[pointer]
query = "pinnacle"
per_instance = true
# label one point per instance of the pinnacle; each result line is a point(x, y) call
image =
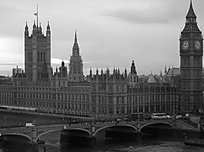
point(191, 13)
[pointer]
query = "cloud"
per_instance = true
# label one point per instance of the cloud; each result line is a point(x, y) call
point(111, 33)
point(138, 17)
point(148, 13)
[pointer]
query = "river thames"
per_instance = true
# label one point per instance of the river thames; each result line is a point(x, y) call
point(146, 145)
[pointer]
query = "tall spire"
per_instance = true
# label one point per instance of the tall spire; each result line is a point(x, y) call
point(191, 13)
point(133, 69)
point(191, 17)
point(40, 28)
point(165, 70)
point(75, 37)
point(26, 31)
point(48, 25)
point(26, 27)
point(191, 23)
point(75, 49)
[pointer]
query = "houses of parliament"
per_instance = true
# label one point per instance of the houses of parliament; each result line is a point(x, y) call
point(105, 93)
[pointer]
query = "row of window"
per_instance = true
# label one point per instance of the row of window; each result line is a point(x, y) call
point(146, 89)
point(61, 96)
point(150, 109)
point(133, 109)
point(5, 94)
point(151, 98)
point(105, 87)
point(52, 106)
point(33, 89)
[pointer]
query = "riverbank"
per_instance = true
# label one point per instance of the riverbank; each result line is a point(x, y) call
point(164, 141)
point(162, 147)
point(46, 114)
point(14, 118)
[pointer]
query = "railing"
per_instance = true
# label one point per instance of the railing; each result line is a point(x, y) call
point(88, 126)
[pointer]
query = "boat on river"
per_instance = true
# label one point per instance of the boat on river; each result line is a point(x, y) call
point(194, 142)
point(197, 140)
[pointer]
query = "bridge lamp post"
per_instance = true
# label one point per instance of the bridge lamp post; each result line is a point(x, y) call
point(33, 134)
point(138, 121)
point(174, 105)
point(93, 120)
point(93, 126)
point(63, 120)
point(34, 122)
point(200, 123)
point(4, 122)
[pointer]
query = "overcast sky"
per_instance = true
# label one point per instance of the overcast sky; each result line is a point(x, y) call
point(111, 33)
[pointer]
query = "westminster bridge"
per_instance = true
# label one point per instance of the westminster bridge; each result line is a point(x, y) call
point(33, 133)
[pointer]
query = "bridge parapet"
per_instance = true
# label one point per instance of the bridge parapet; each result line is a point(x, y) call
point(182, 125)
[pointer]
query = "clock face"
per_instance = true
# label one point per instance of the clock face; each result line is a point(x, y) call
point(185, 45)
point(197, 45)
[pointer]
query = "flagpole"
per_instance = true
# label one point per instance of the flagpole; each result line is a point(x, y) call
point(37, 15)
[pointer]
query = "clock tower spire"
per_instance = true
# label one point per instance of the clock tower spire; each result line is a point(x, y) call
point(191, 54)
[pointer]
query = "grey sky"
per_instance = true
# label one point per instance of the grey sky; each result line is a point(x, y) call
point(111, 33)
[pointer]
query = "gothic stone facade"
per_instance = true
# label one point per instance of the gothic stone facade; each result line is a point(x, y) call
point(105, 93)
point(191, 56)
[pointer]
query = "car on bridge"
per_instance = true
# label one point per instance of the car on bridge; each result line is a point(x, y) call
point(160, 116)
point(178, 116)
point(29, 124)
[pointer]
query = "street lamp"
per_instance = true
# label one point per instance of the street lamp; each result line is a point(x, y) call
point(174, 106)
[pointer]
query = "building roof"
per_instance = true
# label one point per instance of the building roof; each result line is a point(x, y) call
point(191, 13)
point(173, 72)
point(151, 79)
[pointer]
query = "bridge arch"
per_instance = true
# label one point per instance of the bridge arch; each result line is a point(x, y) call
point(79, 129)
point(155, 123)
point(24, 137)
point(47, 132)
point(68, 129)
point(109, 126)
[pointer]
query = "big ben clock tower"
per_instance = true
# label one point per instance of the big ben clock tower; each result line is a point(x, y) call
point(191, 54)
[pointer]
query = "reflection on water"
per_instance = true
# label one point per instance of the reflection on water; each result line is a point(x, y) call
point(142, 144)
point(162, 147)
point(7, 147)
point(136, 146)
